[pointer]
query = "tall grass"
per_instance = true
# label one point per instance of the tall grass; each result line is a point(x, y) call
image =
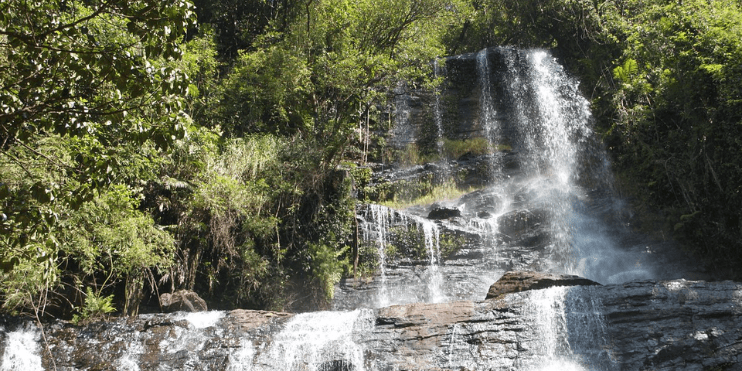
point(444, 192)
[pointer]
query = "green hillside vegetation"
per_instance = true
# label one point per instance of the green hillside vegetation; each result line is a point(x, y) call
point(153, 146)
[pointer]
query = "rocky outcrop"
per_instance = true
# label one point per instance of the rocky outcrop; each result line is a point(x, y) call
point(526, 280)
point(444, 213)
point(182, 300)
point(670, 325)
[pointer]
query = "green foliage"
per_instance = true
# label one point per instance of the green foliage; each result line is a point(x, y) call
point(626, 71)
point(199, 62)
point(89, 69)
point(95, 306)
point(323, 74)
point(231, 224)
point(453, 148)
point(676, 114)
point(267, 92)
point(108, 234)
point(327, 265)
point(566, 24)
point(408, 194)
point(88, 98)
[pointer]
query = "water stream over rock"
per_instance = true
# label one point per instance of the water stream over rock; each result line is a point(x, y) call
point(540, 199)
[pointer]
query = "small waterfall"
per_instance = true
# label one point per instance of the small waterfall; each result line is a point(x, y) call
point(487, 112)
point(437, 115)
point(316, 341)
point(570, 328)
point(381, 219)
point(22, 349)
point(377, 227)
point(432, 244)
point(451, 343)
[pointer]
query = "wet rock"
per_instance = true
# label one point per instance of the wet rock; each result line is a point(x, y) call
point(466, 157)
point(524, 280)
point(182, 300)
point(667, 325)
point(336, 365)
point(521, 221)
point(484, 215)
point(444, 213)
point(480, 202)
point(252, 319)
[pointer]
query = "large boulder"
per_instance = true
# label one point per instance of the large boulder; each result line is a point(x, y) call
point(182, 300)
point(526, 280)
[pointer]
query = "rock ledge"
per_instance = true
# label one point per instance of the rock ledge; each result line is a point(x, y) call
point(525, 280)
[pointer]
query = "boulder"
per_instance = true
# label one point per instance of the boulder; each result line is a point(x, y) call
point(526, 280)
point(444, 213)
point(522, 221)
point(182, 300)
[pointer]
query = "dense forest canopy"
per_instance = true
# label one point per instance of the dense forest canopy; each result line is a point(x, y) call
point(154, 146)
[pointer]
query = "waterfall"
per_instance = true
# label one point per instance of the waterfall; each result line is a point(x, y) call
point(22, 349)
point(570, 328)
point(316, 341)
point(432, 244)
point(538, 198)
point(487, 110)
point(535, 210)
point(544, 205)
point(381, 219)
point(380, 225)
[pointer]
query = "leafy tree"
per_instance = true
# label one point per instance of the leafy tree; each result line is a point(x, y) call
point(331, 65)
point(678, 114)
point(238, 23)
point(88, 95)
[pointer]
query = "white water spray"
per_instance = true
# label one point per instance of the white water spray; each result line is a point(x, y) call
point(381, 220)
point(22, 350)
point(310, 341)
point(432, 235)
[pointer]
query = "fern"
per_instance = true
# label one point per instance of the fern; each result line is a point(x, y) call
point(95, 306)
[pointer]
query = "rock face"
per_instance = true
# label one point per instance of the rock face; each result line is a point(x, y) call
point(668, 325)
point(525, 280)
point(182, 300)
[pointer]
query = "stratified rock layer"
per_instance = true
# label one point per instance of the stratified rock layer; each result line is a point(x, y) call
point(670, 325)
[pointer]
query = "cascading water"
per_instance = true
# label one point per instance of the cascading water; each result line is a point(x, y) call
point(319, 341)
point(381, 218)
point(398, 282)
point(571, 331)
point(547, 123)
point(21, 350)
point(488, 115)
point(543, 208)
point(432, 244)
